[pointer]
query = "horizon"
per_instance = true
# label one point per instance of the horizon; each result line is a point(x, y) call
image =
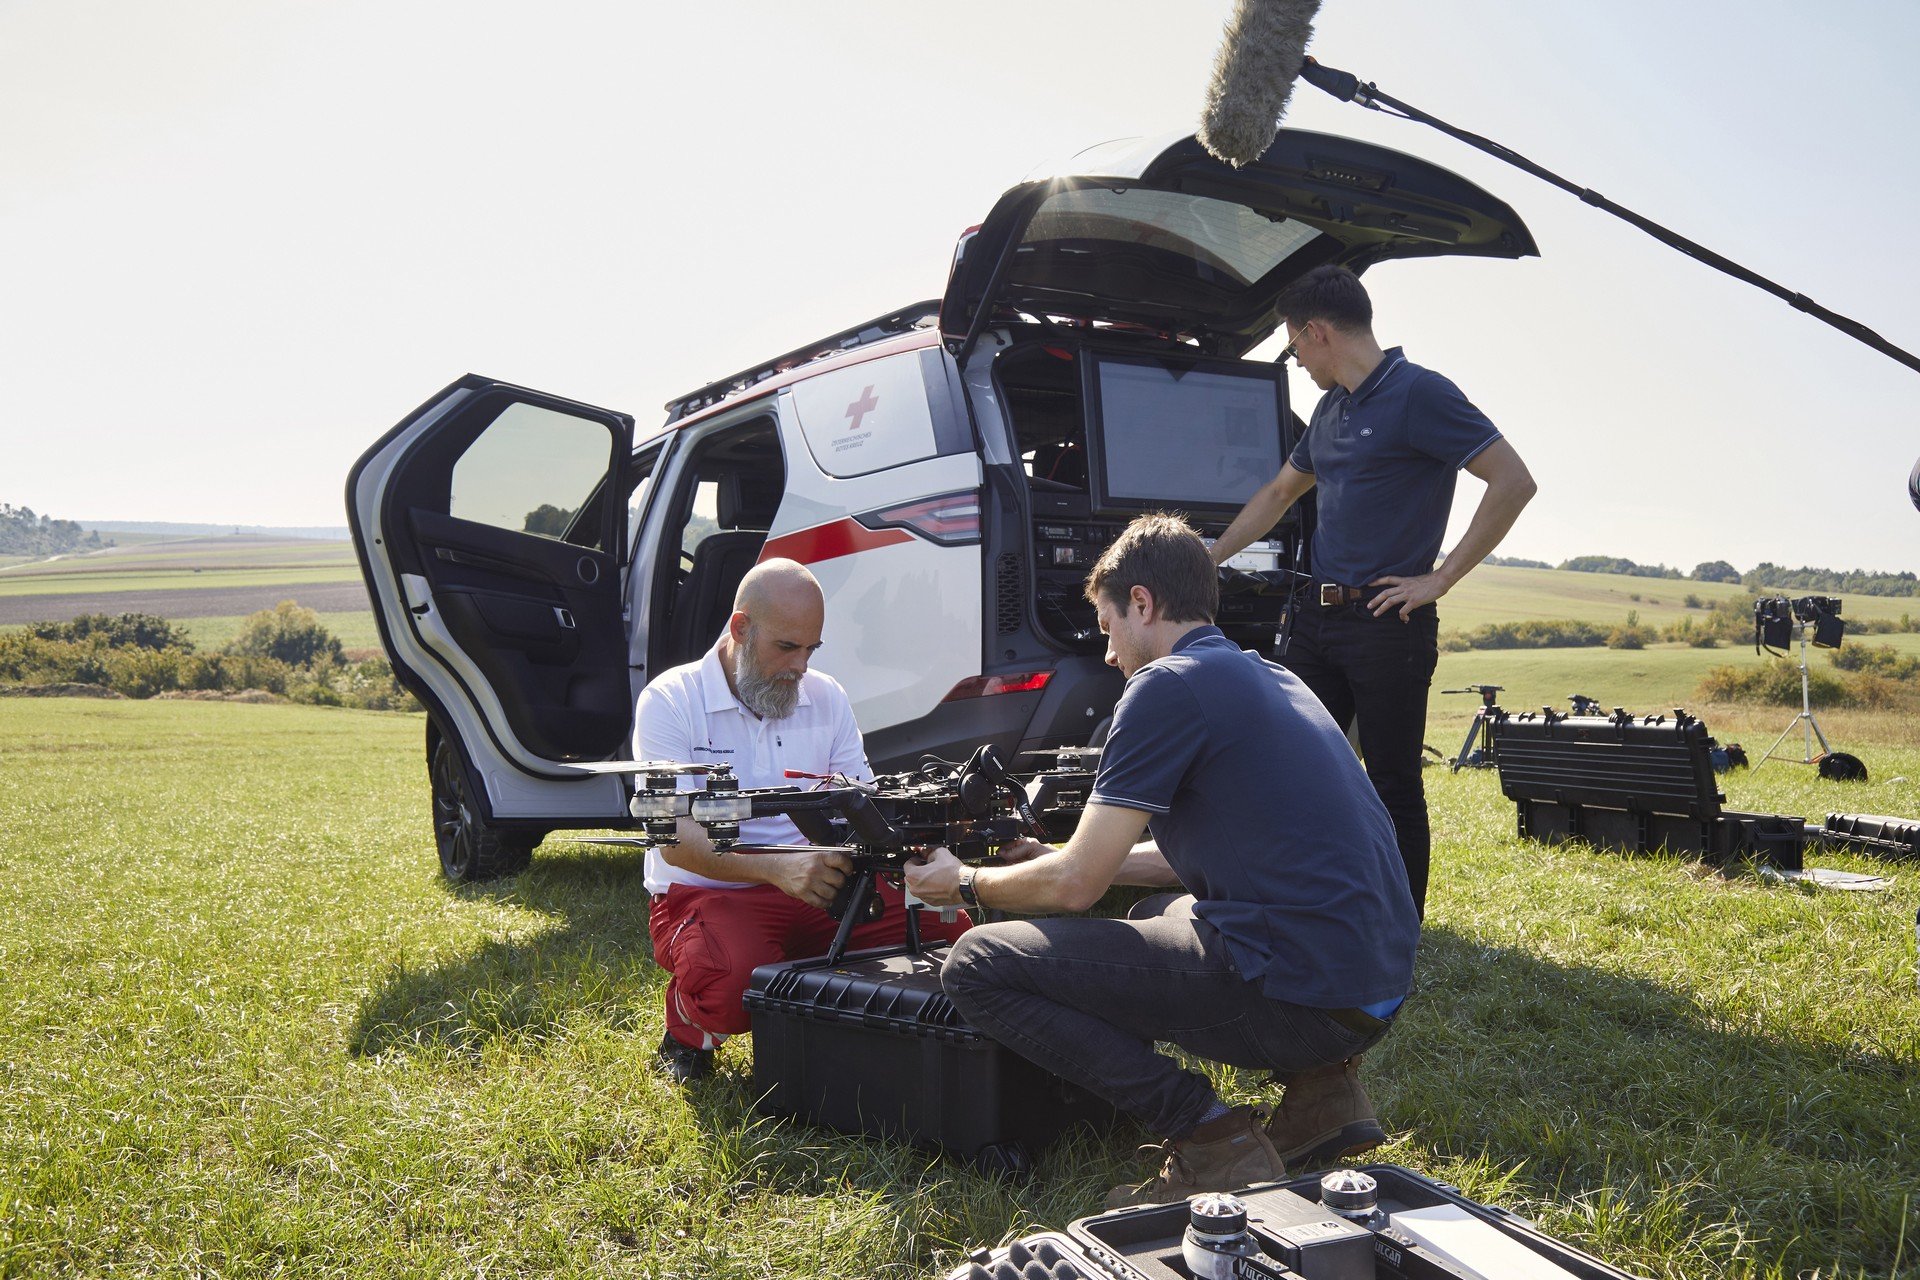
point(214, 528)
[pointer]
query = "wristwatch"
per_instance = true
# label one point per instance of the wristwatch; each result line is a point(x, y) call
point(965, 887)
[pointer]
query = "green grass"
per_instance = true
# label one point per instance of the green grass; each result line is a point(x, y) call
point(247, 1030)
point(353, 629)
point(107, 584)
point(204, 553)
point(1497, 593)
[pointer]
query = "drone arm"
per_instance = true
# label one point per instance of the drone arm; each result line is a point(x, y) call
point(813, 876)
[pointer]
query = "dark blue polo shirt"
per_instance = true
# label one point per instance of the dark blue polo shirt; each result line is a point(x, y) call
point(1383, 459)
point(1266, 816)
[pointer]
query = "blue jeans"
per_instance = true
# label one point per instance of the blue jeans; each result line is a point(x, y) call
point(1087, 998)
point(1379, 669)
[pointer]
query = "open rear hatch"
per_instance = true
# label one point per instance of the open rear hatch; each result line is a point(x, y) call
point(1160, 234)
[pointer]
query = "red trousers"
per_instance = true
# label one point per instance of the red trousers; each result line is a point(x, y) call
point(711, 941)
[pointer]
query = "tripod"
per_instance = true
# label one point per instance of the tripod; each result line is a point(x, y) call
point(1812, 725)
point(1469, 757)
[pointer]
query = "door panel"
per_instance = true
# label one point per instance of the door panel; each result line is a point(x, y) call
point(540, 620)
point(490, 526)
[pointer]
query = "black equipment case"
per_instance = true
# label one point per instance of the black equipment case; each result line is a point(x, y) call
point(871, 1044)
point(1876, 835)
point(1297, 1237)
point(1623, 783)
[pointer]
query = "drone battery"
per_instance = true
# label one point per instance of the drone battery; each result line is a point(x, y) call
point(872, 1045)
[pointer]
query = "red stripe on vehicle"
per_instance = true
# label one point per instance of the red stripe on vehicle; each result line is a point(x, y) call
point(844, 537)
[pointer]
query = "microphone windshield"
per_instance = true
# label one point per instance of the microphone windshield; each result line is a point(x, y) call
point(1259, 59)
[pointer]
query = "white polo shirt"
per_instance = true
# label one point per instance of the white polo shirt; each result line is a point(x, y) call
point(689, 713)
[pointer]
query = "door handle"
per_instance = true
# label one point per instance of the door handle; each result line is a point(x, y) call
point(564, 617)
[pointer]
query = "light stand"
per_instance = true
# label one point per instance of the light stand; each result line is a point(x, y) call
point(1468, 757)
point(1806, 716)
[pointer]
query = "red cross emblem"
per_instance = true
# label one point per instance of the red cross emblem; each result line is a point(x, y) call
point(860, 408)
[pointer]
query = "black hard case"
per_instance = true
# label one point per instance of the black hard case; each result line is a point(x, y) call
point(1623, 783)
point(1144, 1243)
point(872, 1045)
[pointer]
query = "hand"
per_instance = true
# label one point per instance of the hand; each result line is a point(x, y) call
point(1025, 849)
point(935, 878)
point(813, 876)
point(1407, 594)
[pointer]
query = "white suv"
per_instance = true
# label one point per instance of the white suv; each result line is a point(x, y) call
point(948, 472)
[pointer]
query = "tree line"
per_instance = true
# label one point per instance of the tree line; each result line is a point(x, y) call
point(1765, 575)
point(23, 532)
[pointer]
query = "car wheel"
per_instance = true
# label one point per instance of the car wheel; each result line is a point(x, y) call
point(469, 848)
point(1003, 1160)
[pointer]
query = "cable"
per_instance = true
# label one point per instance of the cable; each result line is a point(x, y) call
point(1347, 87)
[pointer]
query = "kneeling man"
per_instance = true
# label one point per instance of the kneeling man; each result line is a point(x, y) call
point(717, 914)
point(1291, 944)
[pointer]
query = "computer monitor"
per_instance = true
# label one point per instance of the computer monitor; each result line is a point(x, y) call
point(1169, 432)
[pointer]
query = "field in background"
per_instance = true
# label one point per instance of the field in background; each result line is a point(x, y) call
point(354, 629)
point(1496, 593)
point(247, 1029)
point(189, 578)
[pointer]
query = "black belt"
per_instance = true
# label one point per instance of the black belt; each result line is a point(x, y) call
point(1357, 1020)
point(1332, 594)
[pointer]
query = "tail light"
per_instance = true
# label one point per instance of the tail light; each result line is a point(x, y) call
point(950, 519)
point(987, 686)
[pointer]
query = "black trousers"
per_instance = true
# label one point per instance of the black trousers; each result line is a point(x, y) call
point(1380, 670)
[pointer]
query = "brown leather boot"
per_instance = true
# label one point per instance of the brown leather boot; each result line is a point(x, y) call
point(1324, 1116)
point(1221, 1155)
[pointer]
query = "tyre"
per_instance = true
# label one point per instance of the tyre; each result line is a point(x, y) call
point(1003, 1160)
point(469, 848)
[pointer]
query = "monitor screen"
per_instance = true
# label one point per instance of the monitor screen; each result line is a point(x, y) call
point(1185, 435)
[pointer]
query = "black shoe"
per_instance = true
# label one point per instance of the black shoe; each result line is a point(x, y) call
point(682, 1062)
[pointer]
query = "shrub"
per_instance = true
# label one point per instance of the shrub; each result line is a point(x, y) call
point(1685, 632)
point(1631, 634)
point(115, 631)
point(288, 633)
point(1536, 633)
point(1882, 660)
point(1776, 683)
point(232, 672)
point(1693, 601)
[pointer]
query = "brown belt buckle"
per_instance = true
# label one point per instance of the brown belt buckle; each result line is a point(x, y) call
point(1331, 594)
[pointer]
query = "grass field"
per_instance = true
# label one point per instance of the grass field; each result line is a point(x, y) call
point(354, 630)
point(247, 1030)
point(1497, 593)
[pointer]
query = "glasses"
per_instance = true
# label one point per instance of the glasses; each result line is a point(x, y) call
point(1292, 349)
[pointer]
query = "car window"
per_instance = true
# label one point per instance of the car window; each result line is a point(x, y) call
point(531, 471)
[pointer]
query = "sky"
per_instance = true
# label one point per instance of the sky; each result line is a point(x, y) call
point(240, 240)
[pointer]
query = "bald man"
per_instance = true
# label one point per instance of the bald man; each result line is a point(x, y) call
point(718, 914)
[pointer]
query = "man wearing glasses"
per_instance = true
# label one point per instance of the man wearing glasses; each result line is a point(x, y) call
point(1381, 452)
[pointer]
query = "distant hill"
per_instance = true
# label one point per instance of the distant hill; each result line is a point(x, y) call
point(171, 529)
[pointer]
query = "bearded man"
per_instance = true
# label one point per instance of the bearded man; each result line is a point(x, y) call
point(717, 914)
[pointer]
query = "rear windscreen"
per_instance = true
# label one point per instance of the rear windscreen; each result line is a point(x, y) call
point(1185, 437)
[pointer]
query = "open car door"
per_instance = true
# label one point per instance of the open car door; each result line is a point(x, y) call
point(490, 527)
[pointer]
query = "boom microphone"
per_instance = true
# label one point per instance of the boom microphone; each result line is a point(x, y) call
point(1253, 74)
